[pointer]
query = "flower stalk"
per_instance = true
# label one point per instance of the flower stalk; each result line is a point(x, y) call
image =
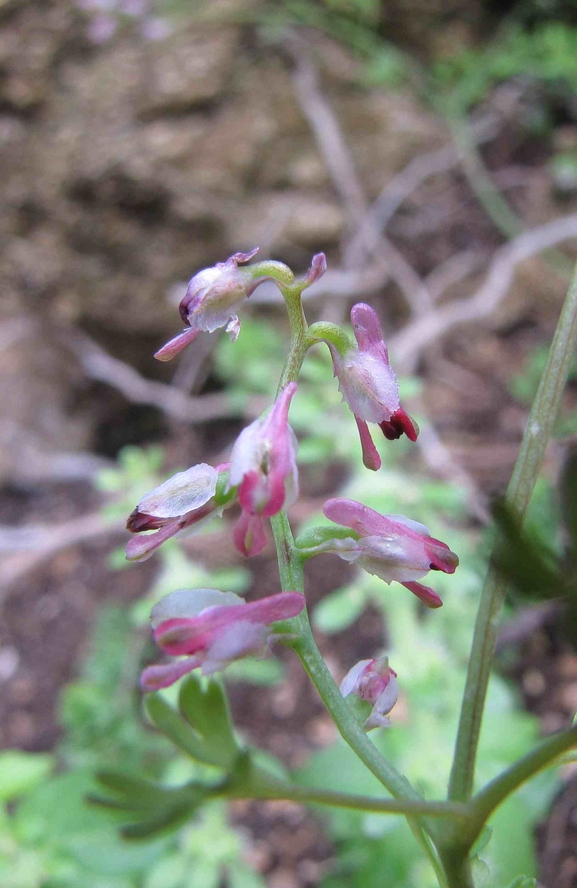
point(537, 434)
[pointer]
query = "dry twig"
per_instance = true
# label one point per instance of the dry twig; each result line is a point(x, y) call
point(408, 345)
point(334, 150)
point(99, 365)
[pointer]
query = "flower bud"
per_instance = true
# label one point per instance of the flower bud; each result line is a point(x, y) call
point(375, 682)
point(211, 629)
point(263, 465)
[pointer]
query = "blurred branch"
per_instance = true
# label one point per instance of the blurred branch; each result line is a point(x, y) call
point(440, 459)
point(488, 194)
point(99, 365)
point(37, 544)
point(408, 345)
point(453, 271)
point(326, 128)
point(335, 152)
point(401, 186)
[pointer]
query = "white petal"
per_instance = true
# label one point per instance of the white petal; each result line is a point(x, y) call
point(408, 522)
point(350, 681)
point(378, 717)
point(182, 493)
point(247, 452)
point(190, 603)
point(375, 720)
point(369, 386)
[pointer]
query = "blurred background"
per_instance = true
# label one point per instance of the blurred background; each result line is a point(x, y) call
point(430, 149)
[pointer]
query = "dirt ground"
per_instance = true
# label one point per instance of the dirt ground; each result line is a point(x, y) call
point(47, 614)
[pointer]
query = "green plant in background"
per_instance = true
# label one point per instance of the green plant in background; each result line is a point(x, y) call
point(151, 792)
point(213, 629)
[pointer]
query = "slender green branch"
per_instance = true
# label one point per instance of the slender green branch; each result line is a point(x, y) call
point(299, 340)
point(537, 434)
point(291, 575)
point(322, 331)
point(539, 758)
point(278, 790)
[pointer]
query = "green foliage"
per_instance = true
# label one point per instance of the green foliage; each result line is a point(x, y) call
point(544, 54)
point(21, 772)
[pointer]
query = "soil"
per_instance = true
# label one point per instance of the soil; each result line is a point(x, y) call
point(48, 613)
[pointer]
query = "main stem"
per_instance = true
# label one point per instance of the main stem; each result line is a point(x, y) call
point(291, 575)
point(537, 433)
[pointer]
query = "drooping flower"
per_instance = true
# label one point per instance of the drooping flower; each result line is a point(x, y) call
point(211, 629)
point(212, 300)
point(391, 547)
point(263, 465)
point(180, 506)
point(375, 682)
point(369, 385)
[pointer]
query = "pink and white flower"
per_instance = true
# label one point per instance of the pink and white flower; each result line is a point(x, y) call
point(391, 547)
point(213, 298)
point(369, 385)
point(263, 466)
point(179, 507)
point(211, 629)
point(375, 682)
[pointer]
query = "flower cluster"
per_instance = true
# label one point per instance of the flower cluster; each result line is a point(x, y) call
point(209, 629)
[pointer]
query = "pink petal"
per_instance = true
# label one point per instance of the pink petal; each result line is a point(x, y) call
point(248, 535)
point(440, 556)
point(239, 258)
point(140, 548)
point(317, 269)
point(367, 330)
point(371, 458)
point(163, 675)
point(188, 636)
point(425, 593)
point(172, 348)
point(368, 522)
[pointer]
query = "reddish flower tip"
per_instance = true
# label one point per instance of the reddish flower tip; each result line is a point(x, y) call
point(399, 424)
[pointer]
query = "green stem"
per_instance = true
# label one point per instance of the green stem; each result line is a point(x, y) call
point(299, 339)
point(291, 575)
point(457, 869)
point(497, 790)
point(322, 331)
point(269, 788)
point(489, 196)
point(537, 434)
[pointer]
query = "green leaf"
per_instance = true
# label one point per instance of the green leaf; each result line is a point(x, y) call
point(339, 610)
point(22, 771)
point(522, 882)
point(206, 710)
point(482, 841)
point(151, 808)
point(167, 720)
